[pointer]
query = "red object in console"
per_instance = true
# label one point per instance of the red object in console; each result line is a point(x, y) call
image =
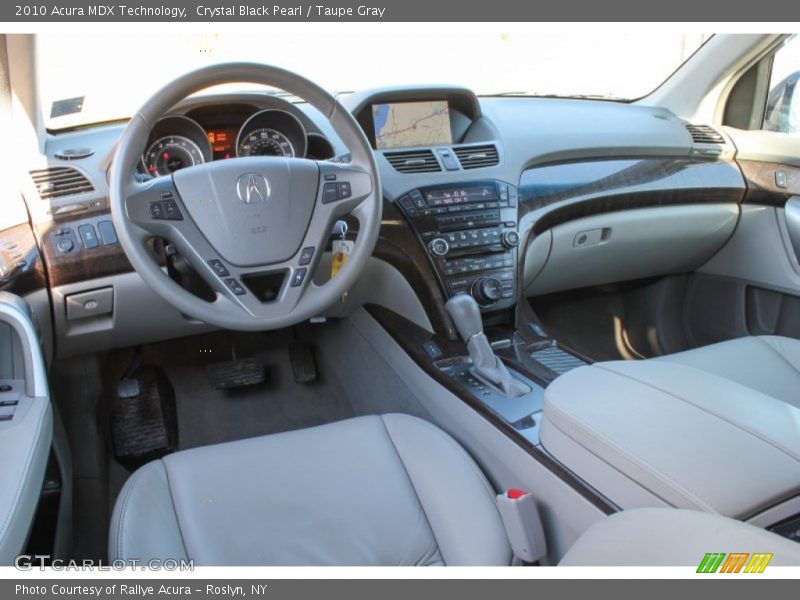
point(515, 494)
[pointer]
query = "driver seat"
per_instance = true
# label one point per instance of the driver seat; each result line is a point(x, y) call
point(375, 490)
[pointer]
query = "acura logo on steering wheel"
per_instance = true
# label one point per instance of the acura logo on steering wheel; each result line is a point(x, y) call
point(252, 188)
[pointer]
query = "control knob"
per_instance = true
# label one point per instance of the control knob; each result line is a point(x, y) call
point(65, 245)
point(510, 239)
point(439, 246)
point(486, 290)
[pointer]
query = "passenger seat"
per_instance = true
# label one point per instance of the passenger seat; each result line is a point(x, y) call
point(769, 364)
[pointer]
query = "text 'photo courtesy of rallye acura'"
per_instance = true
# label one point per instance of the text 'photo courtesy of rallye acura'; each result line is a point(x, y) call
point(297, 300)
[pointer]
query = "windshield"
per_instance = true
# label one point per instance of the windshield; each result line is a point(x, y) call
point(87, 78)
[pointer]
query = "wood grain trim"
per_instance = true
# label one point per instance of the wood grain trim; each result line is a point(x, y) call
point(762, 187)
point(638, 183)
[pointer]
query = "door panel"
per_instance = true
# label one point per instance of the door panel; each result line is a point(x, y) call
point(26, 425)
point(752, 286)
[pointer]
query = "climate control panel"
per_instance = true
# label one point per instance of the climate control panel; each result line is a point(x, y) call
point(469, 232)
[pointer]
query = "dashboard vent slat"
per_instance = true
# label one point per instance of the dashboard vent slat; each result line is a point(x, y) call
point(476, 157)
point(703, 134)
point(413, 161)
point(57, 182)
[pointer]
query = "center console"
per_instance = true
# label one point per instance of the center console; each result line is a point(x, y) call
point(469, 232)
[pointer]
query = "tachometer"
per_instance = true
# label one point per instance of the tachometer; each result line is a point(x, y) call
point(171, 153)
point(265, 142)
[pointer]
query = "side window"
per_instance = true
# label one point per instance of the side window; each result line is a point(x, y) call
point(783, 100)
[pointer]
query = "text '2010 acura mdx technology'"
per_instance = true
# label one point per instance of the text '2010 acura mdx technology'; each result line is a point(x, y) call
point(265, 307)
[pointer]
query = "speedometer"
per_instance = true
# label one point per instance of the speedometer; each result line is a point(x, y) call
point(265, 142)
point(172, 153)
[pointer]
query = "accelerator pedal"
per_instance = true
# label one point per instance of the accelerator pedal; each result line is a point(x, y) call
point(304, 366)
point(235, 373)
point(144, 426)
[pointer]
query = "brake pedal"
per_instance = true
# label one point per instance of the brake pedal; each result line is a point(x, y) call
point(301, 357)
point(128, 385)
point(236, 373)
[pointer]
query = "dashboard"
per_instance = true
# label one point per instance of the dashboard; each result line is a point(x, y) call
point(475, 191)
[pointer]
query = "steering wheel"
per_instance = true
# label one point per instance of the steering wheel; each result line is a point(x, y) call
point(238, 221)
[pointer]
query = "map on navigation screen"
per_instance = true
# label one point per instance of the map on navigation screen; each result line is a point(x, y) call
point(411, 124)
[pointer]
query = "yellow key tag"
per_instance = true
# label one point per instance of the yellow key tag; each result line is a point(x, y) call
point(341, 250)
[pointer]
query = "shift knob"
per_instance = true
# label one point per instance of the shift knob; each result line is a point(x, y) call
point(466, 315)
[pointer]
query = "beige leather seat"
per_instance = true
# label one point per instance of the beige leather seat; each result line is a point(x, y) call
point(769, 364)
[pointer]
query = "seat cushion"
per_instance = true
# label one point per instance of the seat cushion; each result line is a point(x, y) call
point(377, 490)
point(768, 364)
point(670, 537)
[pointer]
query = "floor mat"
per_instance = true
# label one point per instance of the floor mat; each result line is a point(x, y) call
point(208, 416)
point(145, 426)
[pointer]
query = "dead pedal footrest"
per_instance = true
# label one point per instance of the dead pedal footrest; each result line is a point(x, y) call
point(144, 426)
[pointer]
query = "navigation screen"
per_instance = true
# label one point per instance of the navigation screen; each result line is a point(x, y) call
point(404, 124)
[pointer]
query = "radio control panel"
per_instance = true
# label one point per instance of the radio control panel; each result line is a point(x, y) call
point(469, 232)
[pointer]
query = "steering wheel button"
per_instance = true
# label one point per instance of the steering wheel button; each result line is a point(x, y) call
point(157, 210)
point(171, 210)
point(218, 268)
point(330, 193)
point(297, 277)
point(235, 287)
point(305, 256)
point(166, 194)
point(344, 190)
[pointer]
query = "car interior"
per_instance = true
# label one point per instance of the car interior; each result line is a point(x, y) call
point(404, 325)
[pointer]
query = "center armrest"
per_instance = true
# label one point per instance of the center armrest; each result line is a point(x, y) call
point(648, 433)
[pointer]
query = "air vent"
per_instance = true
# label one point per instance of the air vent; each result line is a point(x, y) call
point(413, 161)
point(57, 182)
point(703, 134)
point(475, 157)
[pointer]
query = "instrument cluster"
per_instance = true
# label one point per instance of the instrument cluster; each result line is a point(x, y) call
point(178, 141)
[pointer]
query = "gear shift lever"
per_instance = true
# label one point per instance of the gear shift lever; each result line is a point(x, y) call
point(466, 315)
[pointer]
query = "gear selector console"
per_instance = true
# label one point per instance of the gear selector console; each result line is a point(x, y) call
point(469, 232)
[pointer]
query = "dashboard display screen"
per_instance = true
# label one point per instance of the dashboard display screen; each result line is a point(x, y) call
point(222, 141)
point(449, 196)
point(407, 124)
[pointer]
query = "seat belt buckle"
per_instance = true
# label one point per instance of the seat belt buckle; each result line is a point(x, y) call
point(523, 525)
